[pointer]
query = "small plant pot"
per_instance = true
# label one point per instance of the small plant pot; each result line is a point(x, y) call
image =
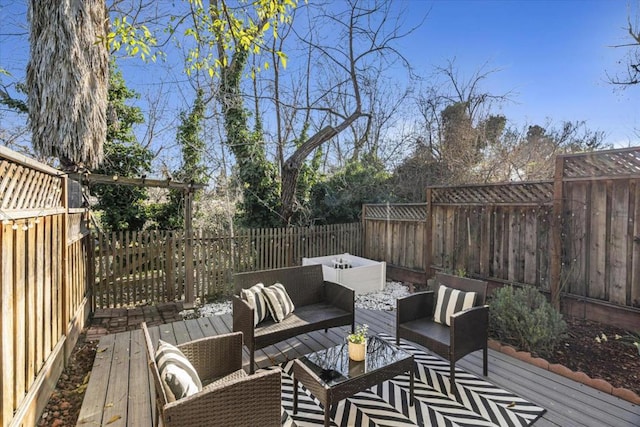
point(357, 351)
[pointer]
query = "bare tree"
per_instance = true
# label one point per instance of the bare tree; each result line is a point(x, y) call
point(369, 31)
point(631, 61)
point(457, 124)
point(528, 153)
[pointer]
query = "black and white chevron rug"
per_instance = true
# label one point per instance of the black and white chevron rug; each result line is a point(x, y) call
point(481, 403)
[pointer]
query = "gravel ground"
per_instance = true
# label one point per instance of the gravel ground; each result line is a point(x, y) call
point(383, 300)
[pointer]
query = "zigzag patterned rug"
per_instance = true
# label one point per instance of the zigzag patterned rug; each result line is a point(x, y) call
point(481, 403)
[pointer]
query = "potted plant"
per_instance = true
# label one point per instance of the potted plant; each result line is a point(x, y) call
point(358, 343)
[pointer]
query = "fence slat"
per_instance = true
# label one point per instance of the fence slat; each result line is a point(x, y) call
point(150, 265)
point(6, 325)
point(19, 337)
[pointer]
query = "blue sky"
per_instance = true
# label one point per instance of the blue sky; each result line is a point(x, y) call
point(552, 55)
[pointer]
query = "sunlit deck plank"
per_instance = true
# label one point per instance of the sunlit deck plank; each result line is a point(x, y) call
point(568, 403)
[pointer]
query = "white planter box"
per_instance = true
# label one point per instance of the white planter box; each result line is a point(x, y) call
point(363, 276)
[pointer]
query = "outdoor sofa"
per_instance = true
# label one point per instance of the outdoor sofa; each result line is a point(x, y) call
point(319, 304)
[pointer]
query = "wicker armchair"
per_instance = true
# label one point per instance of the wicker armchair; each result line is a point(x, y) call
point(468, 331)
point(229, 396)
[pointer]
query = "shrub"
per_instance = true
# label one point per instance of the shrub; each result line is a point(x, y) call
point(524, 318)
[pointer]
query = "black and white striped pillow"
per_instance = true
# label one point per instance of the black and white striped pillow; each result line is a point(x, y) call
point(451, 301)
point(280, 305)
point(255, 298)
point(179, 377)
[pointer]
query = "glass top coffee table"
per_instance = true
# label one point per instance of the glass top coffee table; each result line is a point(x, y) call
point(331, 376)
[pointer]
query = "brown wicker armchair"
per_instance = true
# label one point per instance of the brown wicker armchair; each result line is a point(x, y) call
point(468, 331)
point(229, 396)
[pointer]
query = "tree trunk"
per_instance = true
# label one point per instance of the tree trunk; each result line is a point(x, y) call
point(67, 78)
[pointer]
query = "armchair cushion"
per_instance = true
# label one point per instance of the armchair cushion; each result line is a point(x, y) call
point(279, 302)
point(256, 300)
point(451, 301)
point(179, 377)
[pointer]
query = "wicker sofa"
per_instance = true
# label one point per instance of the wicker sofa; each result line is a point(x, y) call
point(468, 331)
point(227, 390)
point(318, 305)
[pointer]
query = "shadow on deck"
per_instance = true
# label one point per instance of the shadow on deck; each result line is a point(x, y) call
point(119, 392)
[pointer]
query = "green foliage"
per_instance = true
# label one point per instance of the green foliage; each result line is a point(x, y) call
point(135, 40)
point(123, 206)
point(170, 216)
point(524, 318)
point(360, 335)
point(191, 143)
point(339, 199)
point(260, 202)
point(15, 104)
point(415, 173)
point(258, 176)
point(221, 31)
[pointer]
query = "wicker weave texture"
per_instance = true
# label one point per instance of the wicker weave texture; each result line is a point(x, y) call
point(468, 331)
point(230, 391)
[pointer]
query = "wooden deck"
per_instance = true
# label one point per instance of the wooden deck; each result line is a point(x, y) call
point(119, 392)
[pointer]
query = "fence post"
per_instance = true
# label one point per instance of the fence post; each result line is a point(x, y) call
point(556, 232)
point(363, 240)
point(66, 305)
point(188, 249)
point(170, 279)
point(428, 237)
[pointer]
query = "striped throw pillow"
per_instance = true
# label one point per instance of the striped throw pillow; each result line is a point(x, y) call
point(255, 298)
point(450, 301)
point(179, 377)
point(280, 305)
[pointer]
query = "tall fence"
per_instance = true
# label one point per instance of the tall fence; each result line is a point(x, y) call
point(397, 234)
point(133, 268)
point(43, 280)
point(578, 234)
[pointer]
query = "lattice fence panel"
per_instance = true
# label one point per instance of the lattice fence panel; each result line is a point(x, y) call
point(400, 212)
point(603, 164)
point(24, 188)
point(513, 194)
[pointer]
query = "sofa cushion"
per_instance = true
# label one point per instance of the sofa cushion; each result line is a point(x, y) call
point(179, 377)
point(278, 301)
point(450, 301)
point(256, 300)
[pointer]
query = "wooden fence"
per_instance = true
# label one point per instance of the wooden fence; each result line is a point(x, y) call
point(43, 280)
point(578, 234)
point(133, 268)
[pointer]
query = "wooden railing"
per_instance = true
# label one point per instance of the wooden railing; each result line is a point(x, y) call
point(133, 268)
point(44, 285)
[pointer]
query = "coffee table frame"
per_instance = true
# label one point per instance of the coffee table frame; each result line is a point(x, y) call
point(331, 394)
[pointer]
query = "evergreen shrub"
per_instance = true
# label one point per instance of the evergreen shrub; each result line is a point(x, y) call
point(525, 319)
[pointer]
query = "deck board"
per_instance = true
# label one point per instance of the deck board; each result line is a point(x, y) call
point(139, 407)
point(94, 399)
point(116, 402)
point(568, 403)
